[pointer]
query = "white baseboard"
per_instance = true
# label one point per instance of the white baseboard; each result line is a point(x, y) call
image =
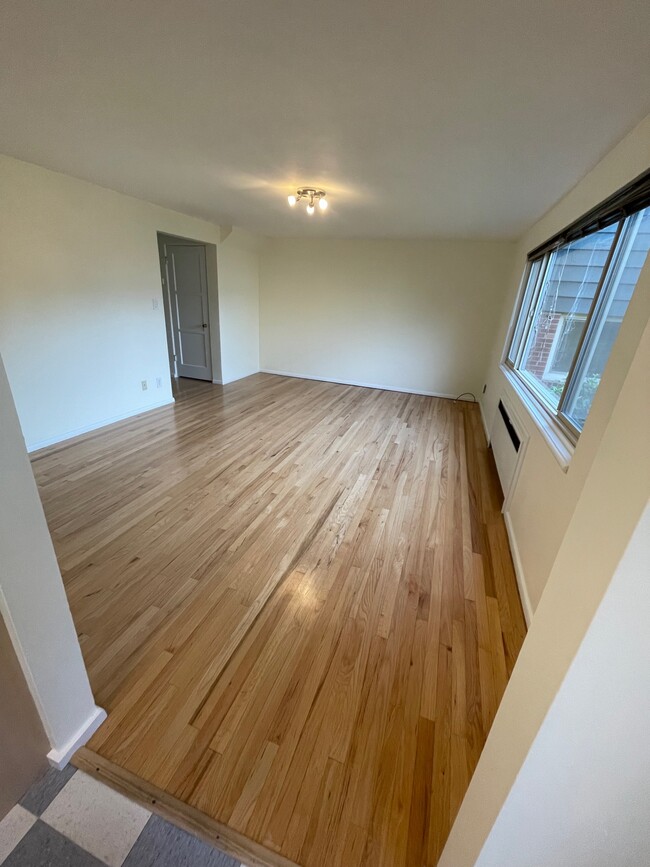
point(404, 390)
point(519, 571)
point(226, 381)
point(41, 444)
point(59, 758)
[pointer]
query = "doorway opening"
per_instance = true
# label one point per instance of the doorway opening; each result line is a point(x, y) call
point(185, 268)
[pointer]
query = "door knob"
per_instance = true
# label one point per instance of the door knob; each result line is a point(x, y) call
point(205, 325)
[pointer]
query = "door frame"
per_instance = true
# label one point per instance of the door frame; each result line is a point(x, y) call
point(213, 305)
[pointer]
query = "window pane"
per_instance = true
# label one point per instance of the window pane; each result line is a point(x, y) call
point(533, 276)
point(619, 292)
point(565, 346)
point(560, 318)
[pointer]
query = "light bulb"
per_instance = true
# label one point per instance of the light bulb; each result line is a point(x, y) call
point(291, 200)
point(310, 209)
point(322, 204)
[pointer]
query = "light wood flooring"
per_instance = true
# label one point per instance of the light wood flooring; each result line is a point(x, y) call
point(296, 602)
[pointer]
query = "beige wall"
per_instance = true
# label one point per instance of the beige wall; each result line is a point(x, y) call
point(78, 276)
point(608, 510)
point(412, 315)
point(239, 303)
point(79, 273)
point(545, 494)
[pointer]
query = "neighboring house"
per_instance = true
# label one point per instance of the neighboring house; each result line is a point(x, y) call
point(573, 277)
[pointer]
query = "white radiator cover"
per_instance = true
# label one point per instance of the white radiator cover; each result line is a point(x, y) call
point(507, 457)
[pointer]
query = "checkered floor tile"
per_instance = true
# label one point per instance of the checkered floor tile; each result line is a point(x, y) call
point(68, 819)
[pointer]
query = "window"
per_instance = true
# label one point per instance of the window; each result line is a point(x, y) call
point(577, 288)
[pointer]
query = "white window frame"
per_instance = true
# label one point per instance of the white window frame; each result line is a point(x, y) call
point(554, 420)
point(553, 374)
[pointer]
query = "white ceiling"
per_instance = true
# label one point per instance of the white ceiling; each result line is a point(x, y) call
point(455, 118)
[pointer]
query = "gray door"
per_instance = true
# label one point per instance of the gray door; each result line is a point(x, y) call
point(188, 301)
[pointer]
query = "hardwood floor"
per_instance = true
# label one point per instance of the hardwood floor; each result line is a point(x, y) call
point(297, 603)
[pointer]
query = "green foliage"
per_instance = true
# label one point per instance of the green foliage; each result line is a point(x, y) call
point(584, 398)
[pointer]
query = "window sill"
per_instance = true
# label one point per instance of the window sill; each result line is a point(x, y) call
point(554, 437)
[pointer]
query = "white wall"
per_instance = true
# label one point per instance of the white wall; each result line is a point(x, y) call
point(412, 315)
point(607, 512)
point(582, 797)
point(239, 303)
point(33, 601)
point(78, 274)
point(545, 495)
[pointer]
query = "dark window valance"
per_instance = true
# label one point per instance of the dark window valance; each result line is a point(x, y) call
point(628, 200)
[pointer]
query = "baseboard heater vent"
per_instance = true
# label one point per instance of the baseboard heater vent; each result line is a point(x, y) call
point(512, 433)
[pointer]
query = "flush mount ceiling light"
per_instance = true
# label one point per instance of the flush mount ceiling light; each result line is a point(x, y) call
point(311, 196)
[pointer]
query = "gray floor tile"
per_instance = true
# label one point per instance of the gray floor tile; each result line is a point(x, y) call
point(162, 844)
point(42, 846)
point(45, 790)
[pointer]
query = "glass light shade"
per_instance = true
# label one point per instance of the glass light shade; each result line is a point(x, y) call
point(310, 209)
point(291, 200)
point(322, 204)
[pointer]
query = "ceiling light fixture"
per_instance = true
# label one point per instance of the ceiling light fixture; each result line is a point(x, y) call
point(312, 196)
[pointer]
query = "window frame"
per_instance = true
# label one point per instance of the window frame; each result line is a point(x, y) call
point(527, 306)
point(549, 373)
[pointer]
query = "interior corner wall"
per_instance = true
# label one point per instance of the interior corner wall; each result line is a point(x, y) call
point(81, 312)
point(408, 315)
point(545, 494)
point(238, 267)
point(32, 599)
point(583, 792)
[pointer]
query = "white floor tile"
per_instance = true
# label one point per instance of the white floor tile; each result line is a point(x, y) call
point(98, 819)
point(13, 828)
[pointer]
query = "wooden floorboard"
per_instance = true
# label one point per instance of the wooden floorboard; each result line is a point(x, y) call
point(296, 602)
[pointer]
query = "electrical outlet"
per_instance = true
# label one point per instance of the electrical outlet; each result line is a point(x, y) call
point(485, 388)
point(144, 385)
point(154, 303)
point(158, 382)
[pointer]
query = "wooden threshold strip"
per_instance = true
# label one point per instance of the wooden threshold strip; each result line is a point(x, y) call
point(188, 818)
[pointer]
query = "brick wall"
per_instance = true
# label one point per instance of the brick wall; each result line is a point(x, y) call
point(540, 352)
